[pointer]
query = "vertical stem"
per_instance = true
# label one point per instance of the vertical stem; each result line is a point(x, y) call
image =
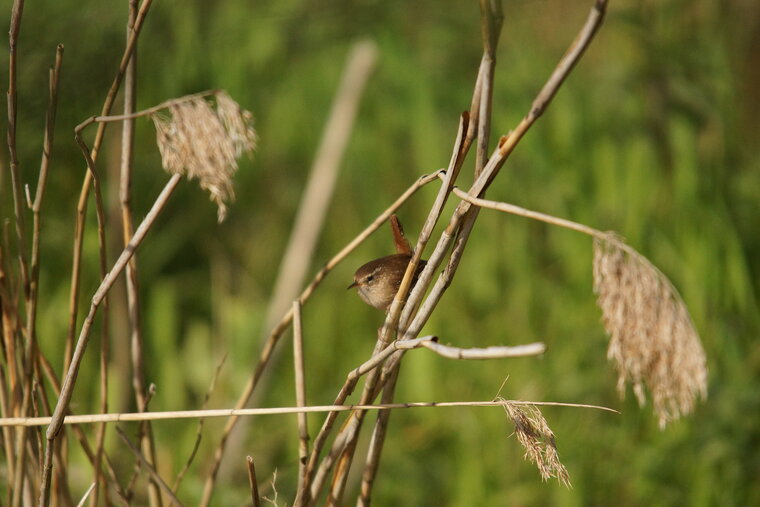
point(68, 385)
point(87, 183)
point(37, 205)
point(41, 184)
point(18, 208)
point(376, 443)
point(145, 433)
point(316, 198)
point(300, 381)
point(252, 482)
point(491, 22)
point(12, 101)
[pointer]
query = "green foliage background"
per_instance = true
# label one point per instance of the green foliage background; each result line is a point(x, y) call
point(654, 135)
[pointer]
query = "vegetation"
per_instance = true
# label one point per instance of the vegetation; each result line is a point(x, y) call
point(654, 135)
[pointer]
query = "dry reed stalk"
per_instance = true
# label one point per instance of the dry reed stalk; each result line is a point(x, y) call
point(26, 383)
point(377, 442)
point(537, 438)
point(82, 209)
point(105, 326)
point(316, 197)
point(230, 412)
point(87, 183)
point(653, 340)
point(300, 384)
point(86, 495)
point(12, 102)
point(30, 279)
point(145, 434)
point(450, 176)
point(60, 484)
point(47, 368)
point(491, 168)
point(276, 333)
point(107, 283)
point(461, 145)
point(253, 483)
point(481, 108)
point(36, 207)
point(504, 149)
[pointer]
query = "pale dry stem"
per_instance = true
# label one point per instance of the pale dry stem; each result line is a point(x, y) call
point(652, 338)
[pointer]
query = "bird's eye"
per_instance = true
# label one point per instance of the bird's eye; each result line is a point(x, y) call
point(370, 278)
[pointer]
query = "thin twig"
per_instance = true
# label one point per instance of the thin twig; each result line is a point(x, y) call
point(79, 229)
point(491, 15)
point(152, 471)
point(319, 189)
point(104, 329)
point(47, 368)
point(60, 485)
point(449, 178)
point(505, 148)
point(12, 98)
point(71, 375)
point(47, 148)
point(18, 209)
point(276, 333)
point(167, 104)
point(199, 433)
point(31, 281)
point(145, 439)
point(377, 442)
point(535, 215)
point(231, 412)
point(86, 184)
point(491, 168)
point(300, 382)
point(255, 498)
point(86, 494)
point(492, 19)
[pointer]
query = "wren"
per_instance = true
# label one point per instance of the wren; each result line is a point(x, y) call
point(378, 280)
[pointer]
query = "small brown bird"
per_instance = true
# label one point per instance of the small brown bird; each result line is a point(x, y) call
point(379, 280)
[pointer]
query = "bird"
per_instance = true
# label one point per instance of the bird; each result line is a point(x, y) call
point(378, 280)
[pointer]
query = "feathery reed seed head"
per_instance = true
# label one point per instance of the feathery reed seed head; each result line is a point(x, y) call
point(652, 338)
point(198, 141)
point(537, 438)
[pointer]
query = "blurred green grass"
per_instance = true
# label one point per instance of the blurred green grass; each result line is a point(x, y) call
point(654, 135)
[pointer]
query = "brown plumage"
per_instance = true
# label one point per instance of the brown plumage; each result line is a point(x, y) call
point(379, 280)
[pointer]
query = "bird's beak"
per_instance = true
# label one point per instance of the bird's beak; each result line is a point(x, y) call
point(355, 284)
